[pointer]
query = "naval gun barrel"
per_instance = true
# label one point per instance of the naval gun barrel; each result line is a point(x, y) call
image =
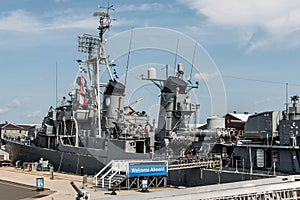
point(79, 192)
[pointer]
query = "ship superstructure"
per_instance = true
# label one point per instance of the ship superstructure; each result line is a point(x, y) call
point(176, 110)
point(271, 141)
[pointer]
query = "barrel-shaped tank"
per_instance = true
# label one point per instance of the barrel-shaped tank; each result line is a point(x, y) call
point(180, 68)
point(215, 122)
point(151, 73)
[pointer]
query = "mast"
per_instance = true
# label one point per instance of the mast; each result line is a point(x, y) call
point(56, 96)
point(175, 104)
point(102, 59)
point(287, 101)
point(94, 46)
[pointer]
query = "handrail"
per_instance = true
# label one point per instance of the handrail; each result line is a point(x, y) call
point(104, 175)
point(103, 169)
point(100, 172)
point(110, 177)
point(194, 164)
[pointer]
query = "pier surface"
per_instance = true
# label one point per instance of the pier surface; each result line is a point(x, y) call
point(21, 184)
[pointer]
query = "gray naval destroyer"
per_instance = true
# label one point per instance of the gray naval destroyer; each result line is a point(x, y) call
point(79, 132)
point(94, 127)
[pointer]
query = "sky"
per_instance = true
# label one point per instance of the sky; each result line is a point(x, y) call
point(253, 45)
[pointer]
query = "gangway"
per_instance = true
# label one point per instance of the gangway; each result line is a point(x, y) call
point(207, 164)
point(129, 174)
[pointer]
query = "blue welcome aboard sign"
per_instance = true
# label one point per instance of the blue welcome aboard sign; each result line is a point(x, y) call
point(148, 169)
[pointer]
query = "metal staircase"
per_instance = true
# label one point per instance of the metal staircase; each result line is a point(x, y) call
point(109, 177)
point(112, 179)
point(130, 174)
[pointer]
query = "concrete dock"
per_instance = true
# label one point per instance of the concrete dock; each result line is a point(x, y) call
point(58, 188)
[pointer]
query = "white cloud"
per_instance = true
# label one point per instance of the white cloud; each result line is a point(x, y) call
point(264, 21)
point(141, 7)
point(23, 21)
point(37, 113)
point(71, 22)
point(3, 111)
point(206, 76)
point(19, 20)
point(15, 102)
point(247, 13)
point(58, 1)
point(18, 102)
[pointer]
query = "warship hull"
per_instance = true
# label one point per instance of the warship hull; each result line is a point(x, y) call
point(69, 158)
point(60, 160)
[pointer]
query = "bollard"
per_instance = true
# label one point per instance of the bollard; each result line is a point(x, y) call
point(84, 181)
point(113, 189)
point(81, 171)
point(145, 185)
point(17, 164)
point(40, 184)
point(51, 172)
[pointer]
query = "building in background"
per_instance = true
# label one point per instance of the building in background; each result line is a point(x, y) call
point(236, 120)
point(14, 131)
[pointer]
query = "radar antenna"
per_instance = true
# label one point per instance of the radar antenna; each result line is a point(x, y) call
point(104, 19)
point(104, 25)
point(295, 100)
